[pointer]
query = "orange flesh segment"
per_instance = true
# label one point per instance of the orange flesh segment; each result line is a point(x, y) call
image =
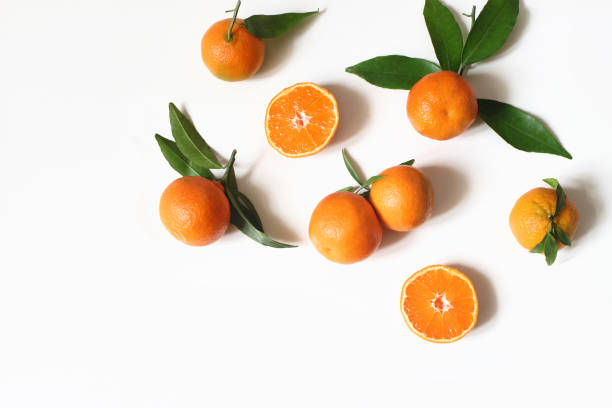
point(301, 120)
point(439, 304)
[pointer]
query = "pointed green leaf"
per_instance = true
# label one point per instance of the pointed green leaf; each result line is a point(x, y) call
point(445, 34)
point(393, 71)
point(520, 129)
point(407, 163)
point(538, 249)
point(490, 30)
point(550, 248)
point(241, 219)
point(189, 141)
point(242, 222)
point(350, 168)
point(349, 188)
point(230, 175)
point(373, 179)
point(562, 236)
point(179, 162)
point(244, 202)
point(554, 183)
point(269, 26)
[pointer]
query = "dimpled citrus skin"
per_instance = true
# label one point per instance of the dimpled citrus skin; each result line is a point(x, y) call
point(529, 217)
point(195, 210)
point(233, 60)
point(344, 228)
point(442, 105)
point(403, 199)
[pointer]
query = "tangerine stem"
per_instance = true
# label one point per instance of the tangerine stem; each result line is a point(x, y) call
point(229, 32)
point(473, 16)
point(231, 160)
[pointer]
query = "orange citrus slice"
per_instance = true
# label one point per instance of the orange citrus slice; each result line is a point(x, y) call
point(439, 304)
point(301, 120)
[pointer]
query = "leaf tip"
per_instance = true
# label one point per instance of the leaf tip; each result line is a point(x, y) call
point(553, 182)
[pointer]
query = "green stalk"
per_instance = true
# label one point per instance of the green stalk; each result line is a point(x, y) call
point(473, 16)
point(230, 163)
point(235, 10)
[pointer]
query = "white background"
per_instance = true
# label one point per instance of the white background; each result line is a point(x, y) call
point(101, 307)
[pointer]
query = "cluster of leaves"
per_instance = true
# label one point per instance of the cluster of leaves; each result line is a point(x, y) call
point(363, 187)
point(548, 245)
point(190, 155)
point(268, 26)
point(487, 35)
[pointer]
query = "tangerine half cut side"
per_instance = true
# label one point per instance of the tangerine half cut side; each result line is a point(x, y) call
point(301, 120)
point(439, 304)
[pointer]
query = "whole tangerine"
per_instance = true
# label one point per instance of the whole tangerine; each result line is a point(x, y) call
point(195, 210)
point(403, 199)
point(344, 228)
point(232, 59)
point(530, 217)
point(442, 105)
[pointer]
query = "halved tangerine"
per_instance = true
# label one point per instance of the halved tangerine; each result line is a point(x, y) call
point(439, 304)
point(301, 120)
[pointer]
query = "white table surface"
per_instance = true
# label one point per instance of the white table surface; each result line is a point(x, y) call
point(101, 307)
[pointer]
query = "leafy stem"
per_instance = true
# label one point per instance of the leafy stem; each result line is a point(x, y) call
point(554, 233)
point(235, 10)
point(363, 185)
point(472, 15)
point(230, 164)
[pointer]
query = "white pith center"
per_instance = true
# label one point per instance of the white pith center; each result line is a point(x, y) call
point(441, 303)
point(300, 120)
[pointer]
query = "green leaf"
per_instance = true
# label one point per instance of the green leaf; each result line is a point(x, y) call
point(245, 204)
point(179, 162)
point(562, 236)
point(490, 30)
point(230, 175)
point(445, 34)
point(269, 26)
point(550, 248)
point(349, 188)
point(554, 183)
point(520, 129)
point(373, 179)
point(189, 141)
point(249, 210)
point(407, 163)
point(393, 71)
point(244, 220)
point(538, 249)
point(350, 168)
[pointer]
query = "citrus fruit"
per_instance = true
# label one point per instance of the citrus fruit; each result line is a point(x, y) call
point(529, 218)
point(235, 59)
point(442, 105)
point(301, 120)
point(403, 199)
point(195, 210)
point(344, 228)
point(439, 304)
